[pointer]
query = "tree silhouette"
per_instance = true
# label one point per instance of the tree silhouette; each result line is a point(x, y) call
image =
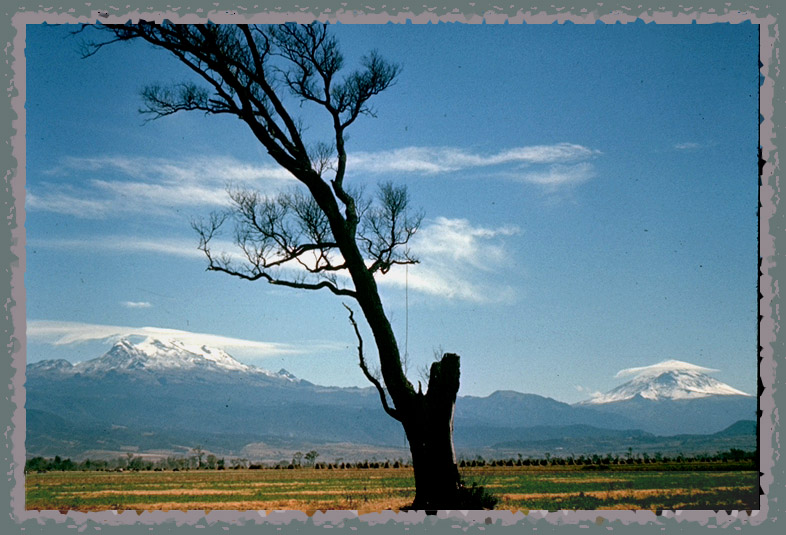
point(311, 457)
point(325, 235)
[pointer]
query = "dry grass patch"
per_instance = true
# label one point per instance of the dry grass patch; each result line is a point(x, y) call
point(310, 506)
point(278, 484)
point(167, 492)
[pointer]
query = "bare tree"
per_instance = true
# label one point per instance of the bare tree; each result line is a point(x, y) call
point(198, 454)
point(325, 235)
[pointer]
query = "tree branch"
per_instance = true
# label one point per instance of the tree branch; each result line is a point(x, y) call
point(259, 264)
point(260, 78)
point(283, 282)
point(388, 228)
point(388, 409)
point(274, 231)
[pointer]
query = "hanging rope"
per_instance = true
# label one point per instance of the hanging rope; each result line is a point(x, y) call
point(406, 311)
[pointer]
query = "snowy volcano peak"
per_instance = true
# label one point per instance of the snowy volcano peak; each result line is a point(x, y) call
point(176, 353)
point(670, 379)
point(161, 354)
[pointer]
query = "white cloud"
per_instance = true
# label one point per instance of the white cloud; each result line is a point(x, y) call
point(149, 185)
point(143, 194)
point(64, 201)
point(542, 154)
point(560, 175)
point(136, 304)
point(434, 160)
point(61, 333)
point(589, 391)
point(407, 160)
point(457, 261)
point(199, 169)
point(665, 366)
point(458, 241)
point(130, 244)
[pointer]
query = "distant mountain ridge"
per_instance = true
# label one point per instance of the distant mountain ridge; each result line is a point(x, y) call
point(161, 395)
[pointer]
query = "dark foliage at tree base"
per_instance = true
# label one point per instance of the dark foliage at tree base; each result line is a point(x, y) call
point(472, 497)
point(475, 497)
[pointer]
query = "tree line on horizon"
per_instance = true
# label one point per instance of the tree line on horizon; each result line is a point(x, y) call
point(131, 462)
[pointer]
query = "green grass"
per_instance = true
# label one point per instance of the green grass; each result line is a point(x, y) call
point(365, 490)
point(601, 489)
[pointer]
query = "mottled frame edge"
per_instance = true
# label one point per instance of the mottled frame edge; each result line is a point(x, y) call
point(771, 229)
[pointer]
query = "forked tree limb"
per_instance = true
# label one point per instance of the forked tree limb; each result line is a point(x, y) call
point(388, 409)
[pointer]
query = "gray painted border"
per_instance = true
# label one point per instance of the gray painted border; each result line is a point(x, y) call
point(772, 230)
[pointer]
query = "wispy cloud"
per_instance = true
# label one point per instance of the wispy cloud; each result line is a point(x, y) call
point(112, 185)
point(456, 257)
point(117, 184)
point(62, 333)
point(559, 175)
point(457, 261)
point(199, 169)
point(66, 201)
point(588, 391)
point(131, 244)
point(432, 160)
point(136, 304)
point(143, 194)
point(548, 166)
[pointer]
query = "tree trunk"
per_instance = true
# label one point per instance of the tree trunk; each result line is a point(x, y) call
point(427, 418)
point(429, 428)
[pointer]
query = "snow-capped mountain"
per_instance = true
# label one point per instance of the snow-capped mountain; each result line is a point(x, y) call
point(157, 355)
point(675, 397)
point(671, 379)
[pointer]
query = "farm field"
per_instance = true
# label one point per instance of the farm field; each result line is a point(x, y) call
point(366, 490)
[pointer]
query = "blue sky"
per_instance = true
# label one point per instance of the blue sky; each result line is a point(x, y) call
point(590, 197)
